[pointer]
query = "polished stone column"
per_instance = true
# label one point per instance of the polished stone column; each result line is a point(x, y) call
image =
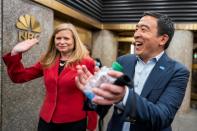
point(0, 62)
point(104, 47)
point(181, 49)
point(21, 102)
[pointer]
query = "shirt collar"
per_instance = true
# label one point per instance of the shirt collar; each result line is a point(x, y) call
point(159, 55)
point(156, 58)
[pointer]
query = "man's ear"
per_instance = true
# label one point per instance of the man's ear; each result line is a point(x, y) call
point(163, 39)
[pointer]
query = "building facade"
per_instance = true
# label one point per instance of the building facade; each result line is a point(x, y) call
point(105, 26)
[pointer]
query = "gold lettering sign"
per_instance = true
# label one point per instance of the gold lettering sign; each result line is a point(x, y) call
point(28, 27)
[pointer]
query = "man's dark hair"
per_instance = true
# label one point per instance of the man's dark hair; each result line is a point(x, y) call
point(165, 25)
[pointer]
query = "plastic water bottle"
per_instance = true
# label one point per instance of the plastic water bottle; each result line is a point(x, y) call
point(101, 77)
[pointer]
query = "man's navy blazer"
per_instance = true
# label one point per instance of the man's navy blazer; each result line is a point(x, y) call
point(160, 98)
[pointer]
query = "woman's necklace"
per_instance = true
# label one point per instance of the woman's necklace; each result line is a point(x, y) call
point(61, 66)
point(62, 63)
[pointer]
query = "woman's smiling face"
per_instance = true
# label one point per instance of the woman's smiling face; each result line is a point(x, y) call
point(64, 41)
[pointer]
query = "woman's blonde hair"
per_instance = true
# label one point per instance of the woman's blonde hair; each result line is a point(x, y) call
point(52, 53)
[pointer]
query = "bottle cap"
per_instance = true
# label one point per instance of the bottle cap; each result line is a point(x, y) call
point(117, 67)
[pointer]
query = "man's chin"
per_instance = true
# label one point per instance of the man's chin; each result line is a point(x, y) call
point(138, 53)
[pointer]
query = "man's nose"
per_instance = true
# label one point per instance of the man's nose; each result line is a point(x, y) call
point(137, 34)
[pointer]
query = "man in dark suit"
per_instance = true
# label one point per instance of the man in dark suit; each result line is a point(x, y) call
point(159, 83)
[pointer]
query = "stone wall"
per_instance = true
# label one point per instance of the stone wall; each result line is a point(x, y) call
point(21, 102)
point(181, 49)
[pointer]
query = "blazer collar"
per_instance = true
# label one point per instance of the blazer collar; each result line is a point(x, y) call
point(161, 70)
point(129, 66)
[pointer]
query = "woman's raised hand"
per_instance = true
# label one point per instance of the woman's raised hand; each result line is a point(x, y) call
point(83, 75)
point(24, 46)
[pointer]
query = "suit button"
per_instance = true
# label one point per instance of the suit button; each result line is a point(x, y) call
point(128, 118)
point(133, 121)
point(119, 111)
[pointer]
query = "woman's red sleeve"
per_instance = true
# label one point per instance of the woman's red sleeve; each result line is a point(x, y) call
point(17, 72)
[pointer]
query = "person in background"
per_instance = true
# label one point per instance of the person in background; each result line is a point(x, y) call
point(98, 62)
point(151, 100)
point(62, 109)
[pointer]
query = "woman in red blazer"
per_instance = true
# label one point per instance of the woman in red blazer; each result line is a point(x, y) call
point(62, 109)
